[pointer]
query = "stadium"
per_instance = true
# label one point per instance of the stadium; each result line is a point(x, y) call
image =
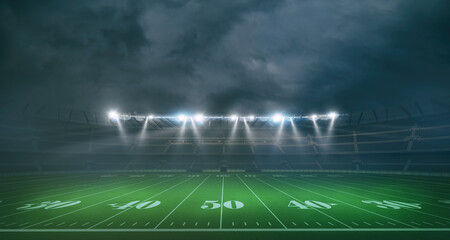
point(94, 148)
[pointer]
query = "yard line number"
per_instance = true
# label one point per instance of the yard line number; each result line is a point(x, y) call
point(48, 205)
point(214, 204)
point(310, 204)
point(135, 204)
point(391, 204)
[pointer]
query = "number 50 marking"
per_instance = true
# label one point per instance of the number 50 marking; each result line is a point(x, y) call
point(233, 204)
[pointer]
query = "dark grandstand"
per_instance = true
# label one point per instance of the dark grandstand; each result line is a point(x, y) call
point(411, 138)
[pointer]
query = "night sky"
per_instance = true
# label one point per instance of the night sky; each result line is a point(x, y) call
point(220, 57)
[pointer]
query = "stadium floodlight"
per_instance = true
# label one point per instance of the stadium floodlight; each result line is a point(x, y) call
point(199, 118)
point(278, 118)
point(251, 118)
point(234, 117)
point(314, 117)
point(332, 115)
point(150, 116)
point(113, 115)
point(181, 117)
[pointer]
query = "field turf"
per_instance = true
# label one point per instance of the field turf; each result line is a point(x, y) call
point(223, 204)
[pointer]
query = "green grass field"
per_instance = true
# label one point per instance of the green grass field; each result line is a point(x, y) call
point(216, 203)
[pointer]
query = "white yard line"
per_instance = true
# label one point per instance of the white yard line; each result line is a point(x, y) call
point(424, 213)
point(344, 202)
point(268, 209)
point(117, 214)
point(95, 204)
point(238, 230)
point(65, 193)
point(378, 193)
point(317, 210)
point(409, 180)
point(182, 202)
point(221, 202)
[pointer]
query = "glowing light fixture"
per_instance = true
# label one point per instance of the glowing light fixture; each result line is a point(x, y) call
point(251, 118)
point(234, 117)
point(277, 118)
point(181, 117)
point(314, 117)
point(332, 115)
point(113, 115)
point(199, 118)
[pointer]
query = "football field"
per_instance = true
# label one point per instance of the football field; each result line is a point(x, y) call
point(218, 203)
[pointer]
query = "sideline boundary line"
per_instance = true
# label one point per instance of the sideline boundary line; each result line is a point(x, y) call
point(237, 230)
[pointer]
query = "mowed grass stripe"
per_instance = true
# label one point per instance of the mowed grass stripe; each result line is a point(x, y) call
point(15, 188)
point(395, 188)
point(349, 184)
point(200, 210)
point(291, 196)
point(97, 203)
point(351, 205)
point(242, 209)
point(39, 186)
point(404, 186)
point(42, 179)
point(68, 230)
point(371, 198)
point(62, 191)
point(76, 199)
point(268, 209)
point(409, 180)
point(181, 202)
point(125, 210)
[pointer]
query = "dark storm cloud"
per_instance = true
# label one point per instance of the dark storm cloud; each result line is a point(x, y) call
point(224, 56)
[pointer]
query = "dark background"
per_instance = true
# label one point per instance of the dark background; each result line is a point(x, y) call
point(224, 56)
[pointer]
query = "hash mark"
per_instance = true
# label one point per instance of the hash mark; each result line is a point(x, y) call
point(196, 223)
point(85, 224)
point(61, 224)
point(23, 224)
point(147, 224)
point(440, 223)
point(355, 224)
point(184, 223)
point(270, 224)
point(428, 223)
point(331, 223)
point(110, 224)
point(122, 224)
point(48, 224)
point(415, 223)
point(134, 224)
point(393, 224)
point(379, 223)
point(294, 223)
point(245, 223)
point(171, 224)
point(367, 223)
point(208, 224)
point(73, 224)
point(232, 223)
point(306, 224)
point(10, 224)
point(257, 223)
point(318, 224)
